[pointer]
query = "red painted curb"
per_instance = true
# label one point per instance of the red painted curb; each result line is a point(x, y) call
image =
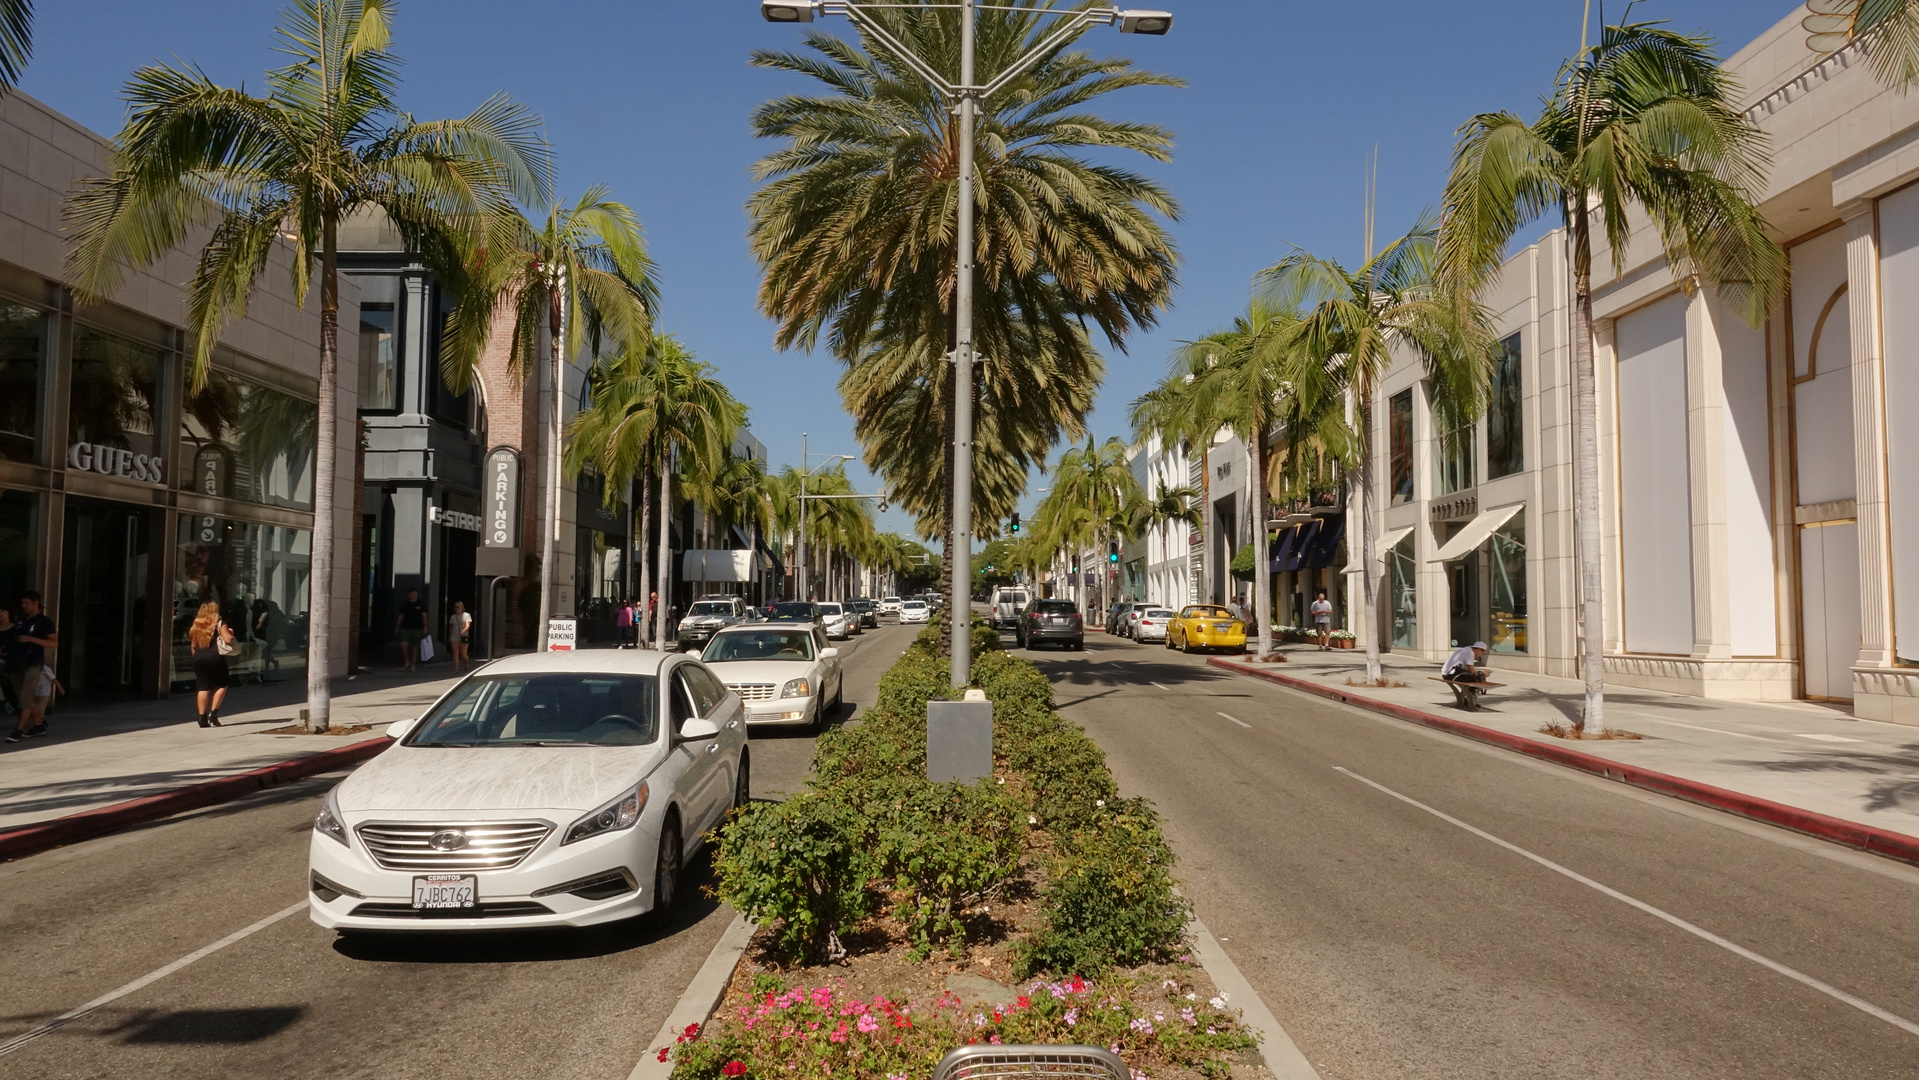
point(1893, 845)
point(42, 835)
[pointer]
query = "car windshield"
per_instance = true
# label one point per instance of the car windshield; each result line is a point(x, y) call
point(1157, 613)
point(829, 609)
point(793, 611)
point(1056, 607)
point(712, 609)
point(571, 708)
point(760, 645)
point(862, 605)
point(891, 600)
point(1200, 611)
point(914, 603)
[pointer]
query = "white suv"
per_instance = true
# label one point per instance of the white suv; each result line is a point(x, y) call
point(890, 605)
point(1007, 604)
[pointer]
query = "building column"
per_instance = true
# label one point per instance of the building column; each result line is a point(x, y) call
point(1706, 446)
point(1869, 436)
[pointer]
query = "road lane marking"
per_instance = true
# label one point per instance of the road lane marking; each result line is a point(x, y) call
point(1698, 931)
point(1823, 737)
point(1237, 720)
point(154, 976)
point(1164, 687)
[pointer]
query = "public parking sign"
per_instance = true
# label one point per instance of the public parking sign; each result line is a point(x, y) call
point(560, 634)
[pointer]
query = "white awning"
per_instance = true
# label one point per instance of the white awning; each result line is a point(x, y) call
point(1476, 532)
point(1385, 543)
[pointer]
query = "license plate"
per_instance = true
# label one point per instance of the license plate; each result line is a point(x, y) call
point(1222, 627)
point(439, 892)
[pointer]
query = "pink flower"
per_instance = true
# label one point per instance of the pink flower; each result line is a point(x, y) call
point(868, 1025)
point(839, 1034)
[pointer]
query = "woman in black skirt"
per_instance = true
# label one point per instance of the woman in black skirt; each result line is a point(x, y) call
point(205, 637)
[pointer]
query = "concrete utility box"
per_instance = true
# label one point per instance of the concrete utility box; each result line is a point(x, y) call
point(959, 740)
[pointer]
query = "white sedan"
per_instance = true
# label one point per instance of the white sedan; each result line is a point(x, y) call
point(786, 674)
point(912, 611)
point(1150, 623)
point(839, 621)
point(557, 789)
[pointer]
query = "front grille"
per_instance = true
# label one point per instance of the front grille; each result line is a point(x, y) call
point(505, 909)
point(490, 845)
point(753, 691)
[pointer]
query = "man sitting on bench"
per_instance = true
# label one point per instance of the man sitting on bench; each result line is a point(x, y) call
point(1463, 664)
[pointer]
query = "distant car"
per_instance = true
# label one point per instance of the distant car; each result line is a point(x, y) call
point(890, 605)
point(785, 673)
point(1116, 617)
point(1130, 625)
point(550, 789)
point(708, 616)
point(1206, 626)
point(869, 612)
point(915, 611)
point(837, 621)
point(1007, 603)
point(1150, 623)
point(802, 611)
point(1056, 621)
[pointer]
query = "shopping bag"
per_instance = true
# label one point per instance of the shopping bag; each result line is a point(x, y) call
point(426, 647)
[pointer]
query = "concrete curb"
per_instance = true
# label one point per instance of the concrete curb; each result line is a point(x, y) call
point(702, 996)
point(40, 836)
point(1852, 834)
point(1281, 1055)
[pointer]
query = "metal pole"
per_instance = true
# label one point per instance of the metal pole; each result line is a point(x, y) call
point(960, 601)
point(799, 558)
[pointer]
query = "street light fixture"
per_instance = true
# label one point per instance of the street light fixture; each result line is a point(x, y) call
point(968, 92)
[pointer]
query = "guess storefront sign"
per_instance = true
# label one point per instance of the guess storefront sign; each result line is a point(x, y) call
point(113, 461)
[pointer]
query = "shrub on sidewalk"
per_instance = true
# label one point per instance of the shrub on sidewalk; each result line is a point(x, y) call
point(1109, 900)
point(802, 866)
point(947, 846)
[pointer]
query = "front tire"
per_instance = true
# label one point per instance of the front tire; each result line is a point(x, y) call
point(666, 871)
point(743, 782)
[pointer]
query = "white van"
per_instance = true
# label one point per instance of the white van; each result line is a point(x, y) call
point(1007, 605)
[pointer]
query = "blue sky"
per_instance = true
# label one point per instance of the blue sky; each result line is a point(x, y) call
point(1286, 99)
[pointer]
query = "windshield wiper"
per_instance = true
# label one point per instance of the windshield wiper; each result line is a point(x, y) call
point(463, 745)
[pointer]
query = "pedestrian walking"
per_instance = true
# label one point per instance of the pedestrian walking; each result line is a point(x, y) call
point(410, 625)
point(652, 614)
point(623, 623)
point(31, 687)
point(1323, 620)
point(459, 636)
point(211, 640)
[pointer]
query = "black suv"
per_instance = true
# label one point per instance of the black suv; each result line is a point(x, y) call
point(1057, 621)
point(869, 612)
point(805, 611)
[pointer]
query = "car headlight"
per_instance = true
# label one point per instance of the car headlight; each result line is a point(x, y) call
point(619, 814)
point(796, 688)
point(327, 822)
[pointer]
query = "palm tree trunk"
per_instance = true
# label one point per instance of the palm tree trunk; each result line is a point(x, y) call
point(646, 570)
point(1368, 545)
point(326, 437)
point(548, 521)
point(1586, 477)
point(666, 547)
point(1262, 562)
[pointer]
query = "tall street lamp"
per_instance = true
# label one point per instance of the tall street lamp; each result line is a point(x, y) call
point(968, 93)
point(800, 575)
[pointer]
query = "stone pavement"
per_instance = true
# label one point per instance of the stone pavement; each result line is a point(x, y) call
point(99, 754)
point(1804, 754)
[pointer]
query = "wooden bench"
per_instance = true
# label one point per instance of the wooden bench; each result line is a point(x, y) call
point(1467, 694)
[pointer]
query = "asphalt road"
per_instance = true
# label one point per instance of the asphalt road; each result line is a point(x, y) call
point(1392, 942)
point(292, 1001)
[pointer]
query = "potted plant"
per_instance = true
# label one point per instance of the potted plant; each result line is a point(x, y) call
point(1343, 639)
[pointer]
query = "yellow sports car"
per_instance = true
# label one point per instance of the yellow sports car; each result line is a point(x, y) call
point(1204, 626)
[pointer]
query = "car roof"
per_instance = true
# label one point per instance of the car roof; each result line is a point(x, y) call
point(595, 661)
point(762, 627)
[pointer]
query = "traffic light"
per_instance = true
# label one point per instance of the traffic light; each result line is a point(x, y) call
point(1112, 552)
point(1075, 566)
point(1015, 525)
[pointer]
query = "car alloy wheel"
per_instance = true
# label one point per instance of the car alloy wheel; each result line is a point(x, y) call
point(666, 872)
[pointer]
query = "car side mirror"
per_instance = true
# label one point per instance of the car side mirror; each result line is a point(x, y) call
point(397, 730)
point(697, 729)
point(828, 654)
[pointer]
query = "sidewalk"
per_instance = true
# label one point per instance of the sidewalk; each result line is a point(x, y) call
point(98, 755)
point(1802, 754)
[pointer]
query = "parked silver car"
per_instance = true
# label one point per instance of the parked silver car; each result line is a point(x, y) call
point(710, 615)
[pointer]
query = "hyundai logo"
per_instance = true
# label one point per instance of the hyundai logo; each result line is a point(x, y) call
point(447, 840)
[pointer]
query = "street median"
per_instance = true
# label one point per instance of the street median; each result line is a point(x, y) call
point(1852, 834)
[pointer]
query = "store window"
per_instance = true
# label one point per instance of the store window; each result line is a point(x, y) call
point(1399, 425)
point(379, 357)
point(1456, 452)
point(114, 390)
point(240, 440)
point(1505, 415)
point(19, 514)
point(1507, 557)
point(1403, 594)
point(258, 575)
point(23, 337)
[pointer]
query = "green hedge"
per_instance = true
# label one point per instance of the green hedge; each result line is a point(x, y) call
point(870, 818)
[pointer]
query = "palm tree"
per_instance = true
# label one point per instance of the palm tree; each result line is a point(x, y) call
point(855, 226)
point(1645, 121)
point(1345, 326)
point(1094, 494)
point(581, 276)
point(735, 495)
point(325, 141)
point(653, 406)
point(1889, 30)
point(16, 41)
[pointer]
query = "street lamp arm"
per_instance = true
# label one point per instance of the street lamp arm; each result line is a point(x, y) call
point(872, 26)
point(1063, 33)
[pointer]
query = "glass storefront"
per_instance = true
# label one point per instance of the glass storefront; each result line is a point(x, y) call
point(258, 575)
point(1403, 594)
point(105, 614)
point(23, 337)
point(114, 392)
point(243, 441)
point(19, 514)
point(1506, 553)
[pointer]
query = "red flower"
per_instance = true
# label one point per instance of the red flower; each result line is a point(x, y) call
point(1023, 1002)
point(733, 1068)
point(664, 1051)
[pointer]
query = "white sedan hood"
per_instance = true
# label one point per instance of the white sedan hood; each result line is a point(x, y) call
point(485, 778)
point(776, 672)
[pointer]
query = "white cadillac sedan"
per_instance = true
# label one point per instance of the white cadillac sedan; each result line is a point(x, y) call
point(786, 673)
point(562, 789)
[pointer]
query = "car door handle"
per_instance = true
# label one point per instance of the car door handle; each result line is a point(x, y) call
point(713, 748)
